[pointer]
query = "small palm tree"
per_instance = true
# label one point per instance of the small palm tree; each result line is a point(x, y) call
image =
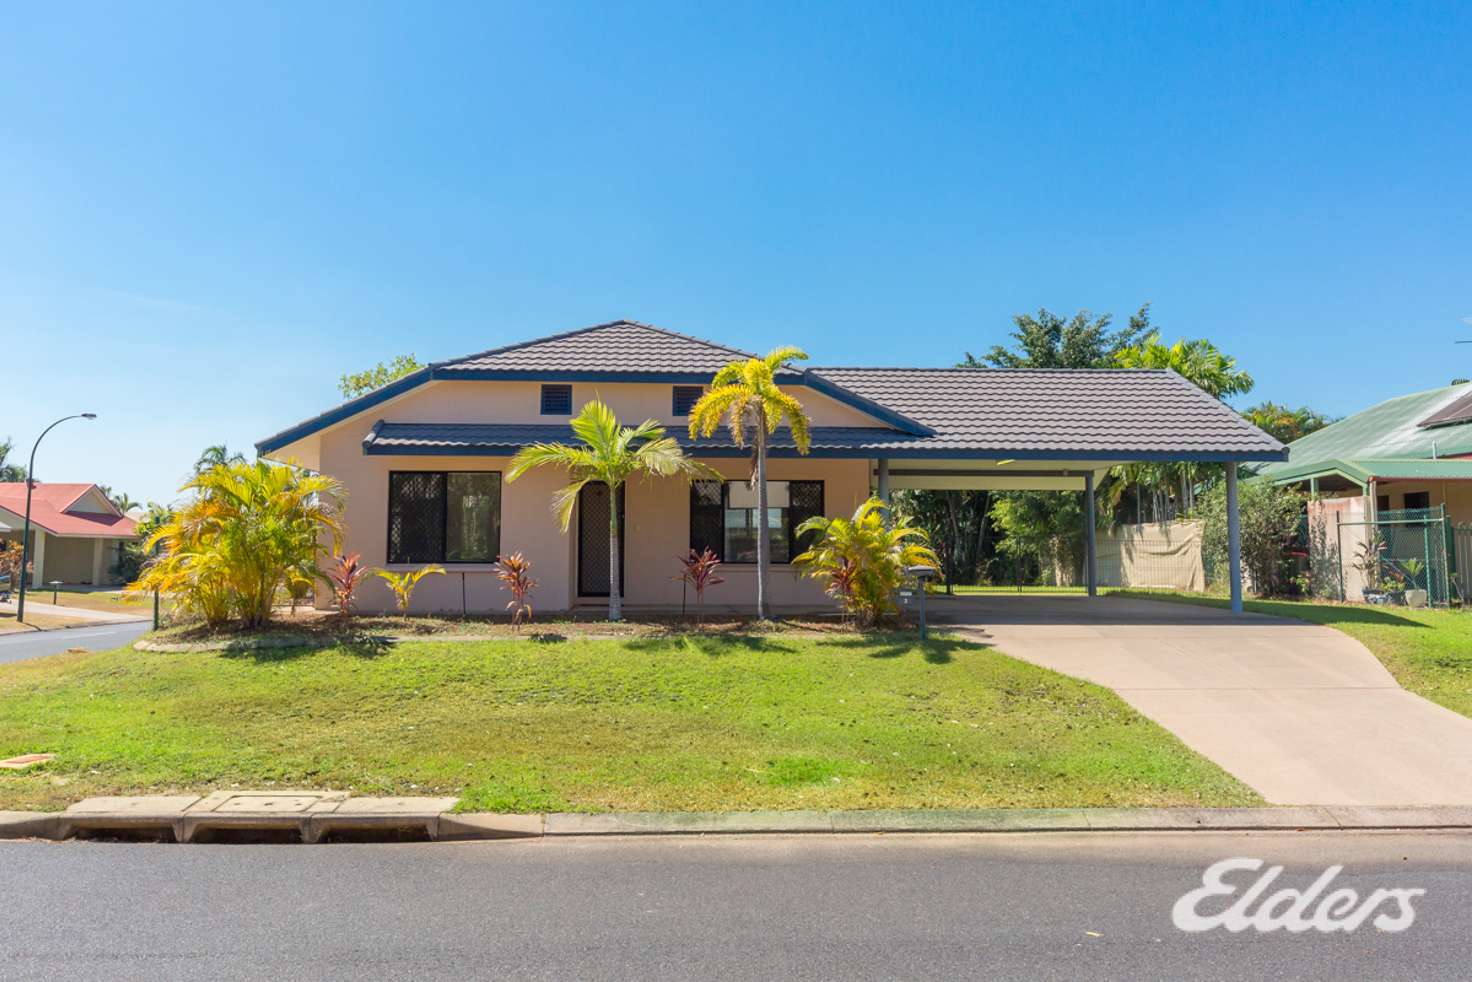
point(610, 454)
point(744, 395)
point(403, 584)
point(864, 559)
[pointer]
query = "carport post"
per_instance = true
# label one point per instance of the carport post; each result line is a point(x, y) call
point(1234, 539)
point(884, 479)
point(1091, 567)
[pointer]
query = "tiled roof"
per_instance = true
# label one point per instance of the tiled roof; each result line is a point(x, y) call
point(49, 504)
point(1388, 430)
point(1061, 412)
point(616, 347)
point(497, 438)
point(1043, 414)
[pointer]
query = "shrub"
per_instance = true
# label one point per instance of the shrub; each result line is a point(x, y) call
point(698, 569)
point(344, 576)
point(403, 584)
point(514, 572)
point(1269, 517)
point(863, 560)
point(248, 531)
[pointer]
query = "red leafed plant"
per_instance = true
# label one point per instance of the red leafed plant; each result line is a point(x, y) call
point(514, 572)
point(344, 576)
point(699, 570)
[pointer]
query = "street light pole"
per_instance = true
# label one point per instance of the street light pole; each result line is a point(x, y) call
point(25, 535)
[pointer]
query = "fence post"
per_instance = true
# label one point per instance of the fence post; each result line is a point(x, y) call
point(1339, 554)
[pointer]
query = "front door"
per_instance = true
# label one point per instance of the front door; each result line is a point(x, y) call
point(593, 503)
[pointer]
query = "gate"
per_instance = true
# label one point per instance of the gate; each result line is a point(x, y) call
point(1403, 549)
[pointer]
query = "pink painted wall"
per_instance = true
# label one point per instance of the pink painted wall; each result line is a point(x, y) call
point(657, 513)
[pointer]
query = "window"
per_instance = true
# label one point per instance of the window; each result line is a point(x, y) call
point(685, 397)
point(725, 519)
point(556, 400)
point(1418, 499)
point(1382, 503)
point(439, 517)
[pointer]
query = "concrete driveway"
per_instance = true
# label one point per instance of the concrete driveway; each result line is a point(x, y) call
point(1301, 713)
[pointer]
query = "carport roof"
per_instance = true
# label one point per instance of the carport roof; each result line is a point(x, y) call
point(1124, 414)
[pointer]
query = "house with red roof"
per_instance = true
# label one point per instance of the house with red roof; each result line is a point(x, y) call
point(75, 530)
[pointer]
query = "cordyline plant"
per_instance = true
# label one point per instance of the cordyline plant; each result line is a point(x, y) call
point(514, 572)
point(344, 576)
point(863, 560)
point(745, 397)
point(698, 569)
point(403, 584)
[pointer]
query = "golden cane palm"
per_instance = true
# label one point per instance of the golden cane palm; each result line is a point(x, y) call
point(745, 398)
point(610, 454)
point(249, 530)
point(863, 559)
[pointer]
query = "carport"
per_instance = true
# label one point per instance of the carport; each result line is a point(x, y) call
point(1050, 430)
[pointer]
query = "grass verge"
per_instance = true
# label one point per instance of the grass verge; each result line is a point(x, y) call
point(692, 722)
point(1429, 652)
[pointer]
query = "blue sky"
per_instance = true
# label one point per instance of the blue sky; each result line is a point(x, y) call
point(207, 215)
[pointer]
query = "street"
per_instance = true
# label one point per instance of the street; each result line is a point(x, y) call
point(34, 644)
point(1036, 906)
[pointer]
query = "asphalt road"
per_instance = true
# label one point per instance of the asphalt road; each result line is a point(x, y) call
point(1033, 906)
point(34, 644)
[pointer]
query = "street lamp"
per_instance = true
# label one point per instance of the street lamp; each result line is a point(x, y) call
point(25, 536)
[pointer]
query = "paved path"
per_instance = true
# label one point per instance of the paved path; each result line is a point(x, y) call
point(34, 606)
point(34, 644)
point(1302, 713)
point(1039, 907)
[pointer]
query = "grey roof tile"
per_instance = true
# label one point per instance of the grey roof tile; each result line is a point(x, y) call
point(1083, 410)
point(618, 346)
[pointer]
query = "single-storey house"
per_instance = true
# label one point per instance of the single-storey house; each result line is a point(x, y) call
point(423, 458)
point(75, 530)
point(1410, 452)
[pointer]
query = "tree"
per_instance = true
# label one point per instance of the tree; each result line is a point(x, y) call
point(1285, 424)
point(863, 559)
point(248, 531)
point(1202, 364)
point(609, 454)
point(361, 383)
point(1269, 517)
point(9, 472)
point(1051, 341)
point(744, 395)
point(218, 455)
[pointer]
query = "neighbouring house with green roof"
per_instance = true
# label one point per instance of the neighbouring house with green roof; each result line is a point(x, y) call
point(1413, 451)
point(1376, 474)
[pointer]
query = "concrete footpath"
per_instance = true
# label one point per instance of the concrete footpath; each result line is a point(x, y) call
point(312, 816)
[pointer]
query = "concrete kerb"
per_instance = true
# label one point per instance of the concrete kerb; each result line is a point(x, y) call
point(187, 815)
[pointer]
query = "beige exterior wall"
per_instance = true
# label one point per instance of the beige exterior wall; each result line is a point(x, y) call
point(657, 514)
point(1456, 496)
point(68, 560)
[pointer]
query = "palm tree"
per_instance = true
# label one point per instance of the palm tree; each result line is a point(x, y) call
point(216, 456)
point(1197, 361)
point(745, 396)
point(610, 454)
point(122, 502)
point(248, 531)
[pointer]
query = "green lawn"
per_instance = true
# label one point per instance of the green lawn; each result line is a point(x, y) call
point(675, 723)
point(1428, 651)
